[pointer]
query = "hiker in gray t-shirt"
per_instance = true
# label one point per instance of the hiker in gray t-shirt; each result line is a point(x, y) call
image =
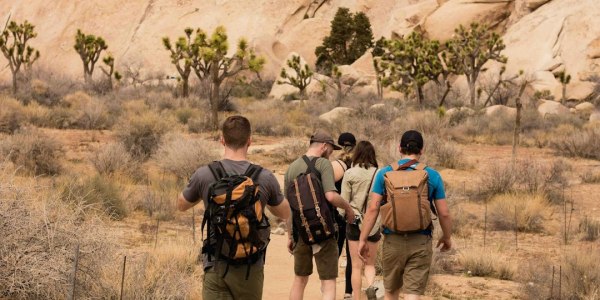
point(240, 281)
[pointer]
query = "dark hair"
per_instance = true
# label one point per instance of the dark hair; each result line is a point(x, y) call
point(236, 132)
point(364, 155)
point(410, 149)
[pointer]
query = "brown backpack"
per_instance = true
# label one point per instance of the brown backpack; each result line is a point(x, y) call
point(312, 215)
point(407, 209)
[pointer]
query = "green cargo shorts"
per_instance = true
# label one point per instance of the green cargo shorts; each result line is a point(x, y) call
point(406, 262)
point(234, 285)
point(326, 259)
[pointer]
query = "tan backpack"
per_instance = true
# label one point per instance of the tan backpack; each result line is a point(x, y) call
point(407, 209)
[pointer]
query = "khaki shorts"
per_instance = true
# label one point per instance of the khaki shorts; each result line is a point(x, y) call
point(234, 285)
point(406, 261)
point(326, 259)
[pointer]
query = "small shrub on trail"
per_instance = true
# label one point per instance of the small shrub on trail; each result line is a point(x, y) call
point(529, 210)
point(141, 134)
point(589, 229)
point(111, 158)
point(33, 152)
point(574, 142)
point(483, 262)
point(181, 156)
point(96, 194)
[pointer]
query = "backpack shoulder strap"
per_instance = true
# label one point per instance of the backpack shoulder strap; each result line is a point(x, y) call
point(253, 172)
point(311, 163)
point(342, 164)
point(420, 166)
point(217, 169)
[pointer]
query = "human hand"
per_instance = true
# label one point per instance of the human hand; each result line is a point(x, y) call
point(363, 250)
point(290, 245)
point(350, 216)
point(445, 242)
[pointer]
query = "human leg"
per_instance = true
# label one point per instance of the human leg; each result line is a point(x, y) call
point(298, 286)
point(328, 289)
point(357, 266)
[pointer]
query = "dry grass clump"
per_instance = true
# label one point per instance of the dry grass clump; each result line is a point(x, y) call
point(528, 208)
point(289, 152)
point(498, 178)
point(590, 177)
point(156, 199)
point(169, 272)
point(111, 158)
point(589, 229)
point(141, 135)
point(95, 194)
point(33, 152)
point(581, 275)
point(39, 234)
point(445, 154)
point(494, 129)
point(181, 156)
point(11, 115)
point(574, 142)
point(484, 262)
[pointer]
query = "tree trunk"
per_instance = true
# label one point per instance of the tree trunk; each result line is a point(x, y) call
point(186, 87)
point(472, 92)
point(215, 98)
point(564, 94)
point(446, 92)
point(489, 98)
point(517, 123)
point(340, 94)
point(420, 94)
point(14, 83)
point(379, 89)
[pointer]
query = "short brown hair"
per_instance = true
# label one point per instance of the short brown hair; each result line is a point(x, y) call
point(364, 155)
point(236, 132)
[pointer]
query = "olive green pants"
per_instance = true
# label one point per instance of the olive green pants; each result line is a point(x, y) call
point(234, 285)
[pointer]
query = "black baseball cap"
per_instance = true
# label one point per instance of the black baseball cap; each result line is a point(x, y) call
point(412, 136)
point(322, 136)
point(347, 139)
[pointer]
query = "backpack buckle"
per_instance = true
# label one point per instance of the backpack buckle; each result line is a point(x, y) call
point(406, 188)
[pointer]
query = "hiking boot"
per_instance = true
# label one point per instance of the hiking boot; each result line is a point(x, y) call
point(371, 293)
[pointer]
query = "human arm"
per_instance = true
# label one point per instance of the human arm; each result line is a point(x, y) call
point(282, 210)
point(336, 200)
point(368, 222)
point(183, 204)
point(446, 224)
point(339, 168)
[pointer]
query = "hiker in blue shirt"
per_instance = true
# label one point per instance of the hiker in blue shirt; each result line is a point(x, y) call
point(407, 255)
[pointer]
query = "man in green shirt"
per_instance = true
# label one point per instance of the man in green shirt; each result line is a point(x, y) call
point(325, 252)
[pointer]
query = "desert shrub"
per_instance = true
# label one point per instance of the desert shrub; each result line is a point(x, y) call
point(60, 118)
point(169, 272)
point(11, 115)
point(589, 229)
point(199, 124)
point(581, 275)
point(33, 152)
point(141, 134)
point(181, 156)
point(463, 222)
point(288, 152)
point(156, 198)
point(111, 158)
point(590, 177)
point(39, 235)
point(97, 193)
point(573, 142)
point(490, 129)
point(256, 88)
point(497, 178)
point(536, 277)
point(184, 114)
point(483, 262)
point(529, 213)
point(427, 122)
point(440, 153)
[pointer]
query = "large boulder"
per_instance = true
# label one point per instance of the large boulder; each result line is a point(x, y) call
point(549, 107)
point(364, 64)
point(560, 35)
point(349, 75)
point(501, 111)
point(459, 110)
point(337, 113)
point(585, 107)
point(280, 91)
point(441, 23)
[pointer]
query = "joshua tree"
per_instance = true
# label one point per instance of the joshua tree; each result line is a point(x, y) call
point(182, 56)
point(213, 63)
point(89, 48)
point(472, 47)
point(408, 63)
point(109, 61)
point(13, 44)
point(301, 79)
point(564, 80)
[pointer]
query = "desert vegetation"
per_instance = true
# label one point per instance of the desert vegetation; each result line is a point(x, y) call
point(89, 172)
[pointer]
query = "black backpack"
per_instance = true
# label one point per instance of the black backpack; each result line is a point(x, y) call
point(312, 214)
point(234, 216)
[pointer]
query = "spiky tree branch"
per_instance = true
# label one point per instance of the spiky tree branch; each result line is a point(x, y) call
point(89, 47)
point(301, 79)
point(13, 44)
